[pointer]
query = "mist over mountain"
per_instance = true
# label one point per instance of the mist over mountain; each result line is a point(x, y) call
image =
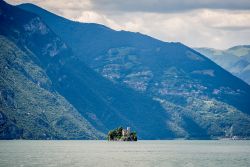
point(81, 80)
point(236, 60)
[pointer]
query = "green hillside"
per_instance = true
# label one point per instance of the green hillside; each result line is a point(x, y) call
point(63, 84)
point(29, 107)
point(201, 100)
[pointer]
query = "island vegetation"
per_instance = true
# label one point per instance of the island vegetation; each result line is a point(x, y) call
point(121, 134)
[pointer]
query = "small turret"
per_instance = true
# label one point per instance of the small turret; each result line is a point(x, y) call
point(121, 134)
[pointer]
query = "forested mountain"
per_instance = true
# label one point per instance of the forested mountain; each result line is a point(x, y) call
point(94, 98)
point(117, 78)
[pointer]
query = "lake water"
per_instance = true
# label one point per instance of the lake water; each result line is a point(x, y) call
point(176, 153)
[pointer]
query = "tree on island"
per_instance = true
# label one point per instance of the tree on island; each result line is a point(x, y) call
point(120, 134)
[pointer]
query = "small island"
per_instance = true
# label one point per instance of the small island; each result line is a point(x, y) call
point(120, 134)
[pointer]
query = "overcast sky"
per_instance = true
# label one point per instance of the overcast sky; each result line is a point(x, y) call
point(197, 23)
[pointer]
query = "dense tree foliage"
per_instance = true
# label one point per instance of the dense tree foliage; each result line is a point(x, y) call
point(117, 135)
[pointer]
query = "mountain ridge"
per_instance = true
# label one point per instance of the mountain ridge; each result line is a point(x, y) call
point(103, 104)
point(236, 60)
point(162, 90)
point(16, 98)
point(81, 46)
point(199, 96)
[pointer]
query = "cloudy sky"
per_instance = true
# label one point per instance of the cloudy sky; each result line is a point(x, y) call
point(197, 23)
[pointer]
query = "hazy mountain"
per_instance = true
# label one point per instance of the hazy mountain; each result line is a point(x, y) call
point(200, 98)
point(236, 60)
point(65, 89)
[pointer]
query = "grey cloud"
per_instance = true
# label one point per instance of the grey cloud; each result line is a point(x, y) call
point(165, 20)
point(167, 6)
point(234, 28)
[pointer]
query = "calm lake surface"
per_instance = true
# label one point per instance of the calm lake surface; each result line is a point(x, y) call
point(176, 153)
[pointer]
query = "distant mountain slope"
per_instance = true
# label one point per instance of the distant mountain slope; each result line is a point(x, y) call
point(103, 104)
point(201, 98)
point(236, 60)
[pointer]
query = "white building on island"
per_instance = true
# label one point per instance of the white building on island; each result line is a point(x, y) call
point(126, 132)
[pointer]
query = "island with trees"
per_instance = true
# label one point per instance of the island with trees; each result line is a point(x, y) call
point(121, 134)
